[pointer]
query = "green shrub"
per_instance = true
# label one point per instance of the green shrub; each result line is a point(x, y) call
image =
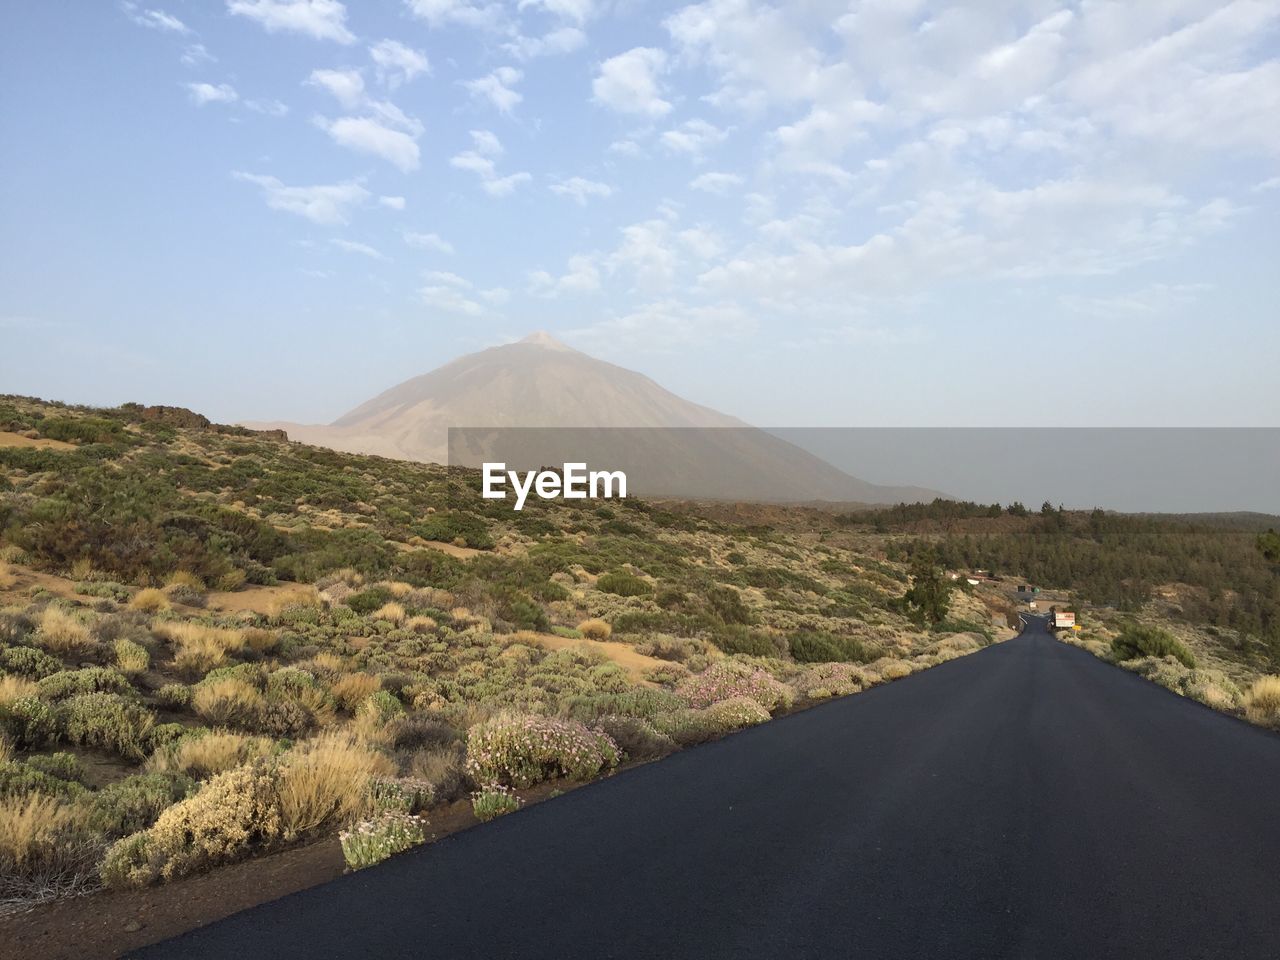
point(623, 585)
point(828, 648)
point(636, 737)
point(29, 662)
point(21, 778)
point(740, 639)
point(29, 721)
point(1140, 640)
point(727, 604)
point(70, 683)
point(134, 803)
point(107, 721)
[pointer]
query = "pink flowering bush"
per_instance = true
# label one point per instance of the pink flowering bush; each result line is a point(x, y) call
point(372, 841)
point(727, 679)
point(735, 714)
point(493, 800)
point(821, 680)
point(520, 750)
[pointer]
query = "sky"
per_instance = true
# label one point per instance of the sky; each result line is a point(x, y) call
point(856, 213)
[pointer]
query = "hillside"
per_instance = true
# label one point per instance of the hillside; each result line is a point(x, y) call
point(585, 409)
point(197, 619)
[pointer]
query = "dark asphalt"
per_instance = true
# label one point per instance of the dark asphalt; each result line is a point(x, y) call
point(1027, 801)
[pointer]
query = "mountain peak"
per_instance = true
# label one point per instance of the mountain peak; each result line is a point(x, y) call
point(541, 338)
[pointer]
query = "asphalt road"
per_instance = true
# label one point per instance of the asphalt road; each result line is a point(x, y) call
point(1027, 801)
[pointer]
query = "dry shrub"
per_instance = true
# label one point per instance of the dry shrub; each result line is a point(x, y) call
point(228, 701)
point(351, 688)
point(7, 579)
point(442, 767)
point(186, 579)
point(149, 600)
point(61, 632)
point(232, 580)
point(234, 813)
point(261, 641)
point(131, 658)
point(199, 648)
point(420, 624)
point(304, 596)
point(1262, 702)
point(595, 629)
point(397, 589)
point(327, 664)
point(15, 688)
point(325, 781)
point(893, 669)
point(461, 615)
point(391, 611)
point(213, 753)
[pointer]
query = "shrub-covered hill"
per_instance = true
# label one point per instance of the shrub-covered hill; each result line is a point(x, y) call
point(215, 642)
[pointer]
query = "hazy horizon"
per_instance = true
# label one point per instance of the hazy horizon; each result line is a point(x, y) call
point(828, 214)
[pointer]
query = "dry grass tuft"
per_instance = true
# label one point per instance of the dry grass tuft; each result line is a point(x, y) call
point(132, 658)
point(1262, 702)
point(150, 600)
point(228, 701)
point(63, 633)
point(595, 629)
point(307, 596)
point(29, 824)
point(6, 750)
point(7, 579)
point(398, 589)
point(15, 688)
point(392, 612)
point(261, 641)
point(352, 688)
point(203, 757)
point(420, 624)
point(199, 648)
point(325, 781)
point(185, 578)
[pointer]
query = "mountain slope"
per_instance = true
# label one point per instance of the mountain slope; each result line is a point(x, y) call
point(669, 446)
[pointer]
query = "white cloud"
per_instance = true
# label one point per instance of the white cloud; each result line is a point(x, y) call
point(326, 204)
point(628, 82)
point(505, 186)
point(693, 137)
point(646, 252)
point(392, 203)
point(202, 93)
point(498, 88)
point(581, 189)
point(270, 108)
point(155, 19)
point(480, 162)
point(440, 13)
point(396, 63)
point(351, 246)
point(556, 42)
point(346, 86)
point(319, 19)
point(195, 55)
point(665, 325)
point(370, 135)
point(702, 242)
point(452, 294)
point(716, 182)
point(582, 276)
point(579, 11)
point(626, 147)
point(486, 142)
point(427, 241)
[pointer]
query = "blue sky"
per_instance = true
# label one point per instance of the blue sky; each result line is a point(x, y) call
point(812, 213)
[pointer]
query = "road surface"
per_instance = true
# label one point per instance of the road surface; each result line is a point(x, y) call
point(1026, 802)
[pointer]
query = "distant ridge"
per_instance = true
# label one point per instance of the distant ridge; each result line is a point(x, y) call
point(541, 382)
